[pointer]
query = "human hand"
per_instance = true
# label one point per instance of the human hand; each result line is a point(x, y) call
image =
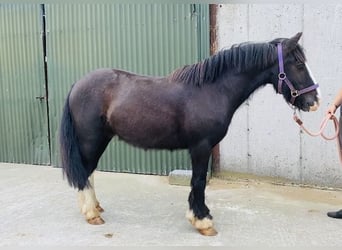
point(331, 109)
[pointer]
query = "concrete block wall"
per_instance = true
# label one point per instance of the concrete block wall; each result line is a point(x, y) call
point(263, 138)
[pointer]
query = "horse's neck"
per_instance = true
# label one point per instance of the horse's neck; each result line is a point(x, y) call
point(239, 88)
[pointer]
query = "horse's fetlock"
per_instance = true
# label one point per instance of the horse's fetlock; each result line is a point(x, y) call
point(199, 223)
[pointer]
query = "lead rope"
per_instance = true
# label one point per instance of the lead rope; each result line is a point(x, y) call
point(321, 130)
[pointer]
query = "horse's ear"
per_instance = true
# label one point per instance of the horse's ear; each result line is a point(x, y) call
point(293, 41)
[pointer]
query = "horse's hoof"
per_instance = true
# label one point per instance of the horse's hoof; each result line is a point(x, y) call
point(99, 208)
point(96, 221)
point(208, 231)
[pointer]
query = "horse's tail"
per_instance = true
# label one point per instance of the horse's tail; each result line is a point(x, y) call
point(71, 158)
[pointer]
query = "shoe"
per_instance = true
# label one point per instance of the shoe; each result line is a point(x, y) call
point(337, 214)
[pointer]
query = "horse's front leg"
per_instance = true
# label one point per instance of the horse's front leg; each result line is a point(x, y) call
point(199, 214)
point(89, 205)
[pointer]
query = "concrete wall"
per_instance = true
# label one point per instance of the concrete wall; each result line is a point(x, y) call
point(263, 139)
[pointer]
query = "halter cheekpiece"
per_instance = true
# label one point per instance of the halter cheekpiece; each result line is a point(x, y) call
point(283, 78)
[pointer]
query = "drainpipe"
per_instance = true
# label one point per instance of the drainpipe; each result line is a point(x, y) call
point(215, 167)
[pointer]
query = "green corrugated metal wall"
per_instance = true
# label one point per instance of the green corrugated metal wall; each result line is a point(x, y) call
point(152, 39)
point(23, 118)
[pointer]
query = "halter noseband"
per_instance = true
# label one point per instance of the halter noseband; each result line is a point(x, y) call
point(282, 78)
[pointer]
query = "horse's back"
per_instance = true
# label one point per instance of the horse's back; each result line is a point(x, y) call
point(105, 80)
point(94, 82)
point(99, 88)
point(142, 110)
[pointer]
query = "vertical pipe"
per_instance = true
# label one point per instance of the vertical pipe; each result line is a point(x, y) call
point(43, 33)
point(215, 167)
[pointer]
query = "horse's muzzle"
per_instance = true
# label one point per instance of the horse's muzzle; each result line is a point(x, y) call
point(315, 106)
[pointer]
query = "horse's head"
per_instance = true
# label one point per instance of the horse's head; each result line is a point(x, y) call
point(292, 76)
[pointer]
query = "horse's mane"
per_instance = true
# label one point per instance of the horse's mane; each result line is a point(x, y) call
point(241, 57)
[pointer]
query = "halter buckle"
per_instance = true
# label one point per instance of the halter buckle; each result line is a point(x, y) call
point(294, 93)
point(282, 76)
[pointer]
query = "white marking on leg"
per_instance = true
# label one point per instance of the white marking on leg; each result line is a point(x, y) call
point(91, 181)
point(88, 201)
point(204, 223)
point(190, 216)
point(81, 200)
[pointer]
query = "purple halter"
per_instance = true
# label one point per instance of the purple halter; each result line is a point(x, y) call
point(282, 78)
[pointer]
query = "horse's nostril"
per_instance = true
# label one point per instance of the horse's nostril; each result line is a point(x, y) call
point(314, 106)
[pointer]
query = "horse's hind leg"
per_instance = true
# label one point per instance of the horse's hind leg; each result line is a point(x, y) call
point(199, 214)
point(89, 205)
point(97, 203)
point(93, 141)
point(92, 148)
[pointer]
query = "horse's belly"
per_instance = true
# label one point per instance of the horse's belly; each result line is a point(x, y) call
point(150, 139)
point(149, 133)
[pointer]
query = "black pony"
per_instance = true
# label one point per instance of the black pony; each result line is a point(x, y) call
point(190, 108)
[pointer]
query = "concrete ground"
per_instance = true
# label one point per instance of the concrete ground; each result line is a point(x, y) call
point(38, 208)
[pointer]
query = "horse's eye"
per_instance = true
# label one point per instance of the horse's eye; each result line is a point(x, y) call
point(300, 65)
